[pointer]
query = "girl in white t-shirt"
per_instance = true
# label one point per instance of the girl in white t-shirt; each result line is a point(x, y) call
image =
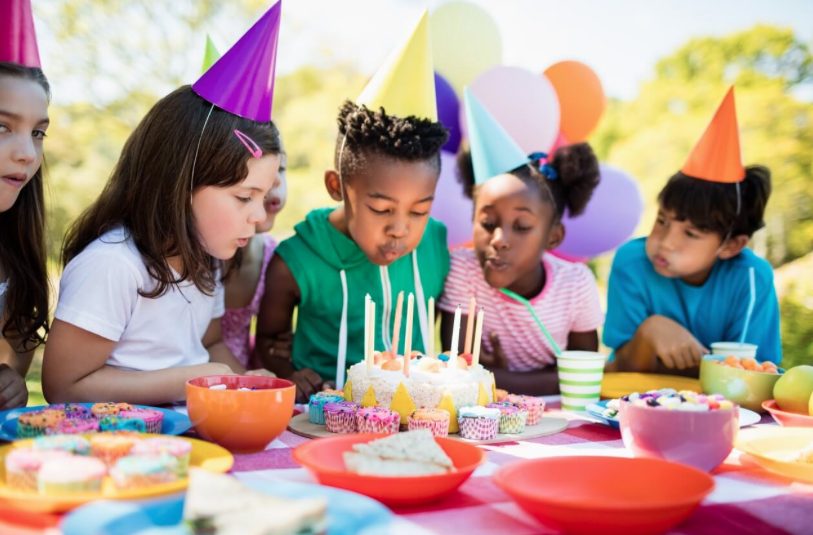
point(141, 297)
point(517, 217)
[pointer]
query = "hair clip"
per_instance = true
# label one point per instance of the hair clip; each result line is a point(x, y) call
point(546, 169)
point(249, 143)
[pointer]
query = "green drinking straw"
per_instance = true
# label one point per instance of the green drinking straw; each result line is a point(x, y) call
point(518, 298)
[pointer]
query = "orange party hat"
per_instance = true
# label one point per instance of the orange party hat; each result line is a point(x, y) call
point(716, 157)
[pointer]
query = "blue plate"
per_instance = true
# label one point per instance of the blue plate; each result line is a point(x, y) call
point(596, 410)
point(174, 422)
point(348, 513)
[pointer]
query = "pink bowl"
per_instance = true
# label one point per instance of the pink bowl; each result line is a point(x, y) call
point(699, 439)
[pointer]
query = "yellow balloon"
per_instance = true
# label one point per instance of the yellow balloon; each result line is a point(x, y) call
point(465, 42)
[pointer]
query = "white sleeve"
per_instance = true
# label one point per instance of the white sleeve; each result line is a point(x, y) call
point(98, 292)
point(219, 306)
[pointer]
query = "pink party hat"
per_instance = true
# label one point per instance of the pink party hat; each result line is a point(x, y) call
point(18, 40)
point(242, 80)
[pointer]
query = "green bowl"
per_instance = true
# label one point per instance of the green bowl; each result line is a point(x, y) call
point(746, 388)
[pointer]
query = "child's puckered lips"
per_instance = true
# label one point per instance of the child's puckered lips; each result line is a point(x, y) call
point(15, 179)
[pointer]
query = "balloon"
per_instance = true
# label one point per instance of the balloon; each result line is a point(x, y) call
point(451, 206)
point(561, 141)
point(522, 102)
point(581, 98)
point(448, 112)
point(609, 219)
point(465, 42)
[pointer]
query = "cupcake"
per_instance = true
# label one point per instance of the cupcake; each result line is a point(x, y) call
point(340, 417)
point(121, 423)
point(478, 423)
point(23, 465)
point(36, 423)
point(67, 443)
point(75, 411)
point(501, 395)
point(76, 475)
point(333, 392)
point(316, 406)
point(377, 420)
point(100, 410)
point(109, 447)
point(532, 405)
point(138, 471)
point(76, 426)
point(512, 418)
point(152, 418)
point(177, 448)
point(436, 420)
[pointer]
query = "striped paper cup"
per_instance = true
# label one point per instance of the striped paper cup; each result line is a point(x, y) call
point(580, 374)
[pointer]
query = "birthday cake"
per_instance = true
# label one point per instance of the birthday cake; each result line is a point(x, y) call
point(431, 383)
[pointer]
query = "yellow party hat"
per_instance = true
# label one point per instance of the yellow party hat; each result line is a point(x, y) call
point(405, 84)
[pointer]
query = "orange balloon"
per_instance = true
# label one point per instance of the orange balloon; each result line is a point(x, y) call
point(581, 98)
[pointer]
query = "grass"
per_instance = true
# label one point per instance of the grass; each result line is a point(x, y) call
point(34, 380)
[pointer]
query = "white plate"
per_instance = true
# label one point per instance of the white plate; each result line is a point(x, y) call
point(747, 417)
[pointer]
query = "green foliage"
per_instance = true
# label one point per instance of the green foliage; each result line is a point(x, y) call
point(651, 136)
point(797, 330)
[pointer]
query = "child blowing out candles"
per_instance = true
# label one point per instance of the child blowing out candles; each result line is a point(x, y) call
point(518, 209)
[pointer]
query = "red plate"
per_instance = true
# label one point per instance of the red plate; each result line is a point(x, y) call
point(609, 495)
point(789, 419)
point(323, 457)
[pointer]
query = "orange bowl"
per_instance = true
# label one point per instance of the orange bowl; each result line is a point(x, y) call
point(242, 421)
point(789, 419)
point(324, 458)
point(609, 495)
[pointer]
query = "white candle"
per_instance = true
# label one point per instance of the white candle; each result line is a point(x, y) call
point(470, 325)
point(408, 334)
point(430, 351)
point(396, 331)
point(478, 338)
point(455, 336)
point(372, 331)
point(368, 356)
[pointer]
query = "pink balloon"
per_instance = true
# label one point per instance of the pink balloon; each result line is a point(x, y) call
point(451, 206)
point(524, 103)
point(610, 218)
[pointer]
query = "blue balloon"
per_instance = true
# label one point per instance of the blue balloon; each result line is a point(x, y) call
point(448, 112)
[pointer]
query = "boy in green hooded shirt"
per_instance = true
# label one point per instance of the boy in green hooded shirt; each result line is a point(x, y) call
point(380, 240)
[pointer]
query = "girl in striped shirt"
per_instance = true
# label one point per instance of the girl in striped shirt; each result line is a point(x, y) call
point(517, 218)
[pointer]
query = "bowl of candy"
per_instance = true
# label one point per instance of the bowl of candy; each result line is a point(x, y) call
point(685, 427)
point(242, 413)
point(741, 380)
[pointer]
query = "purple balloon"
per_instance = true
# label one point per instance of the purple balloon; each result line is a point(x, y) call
point(610, 218)
point(448, 112)
point(451, 206)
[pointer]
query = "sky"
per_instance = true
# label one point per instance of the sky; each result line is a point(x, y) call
point(620, 39)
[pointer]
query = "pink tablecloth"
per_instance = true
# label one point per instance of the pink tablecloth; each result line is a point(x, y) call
point(746, 498)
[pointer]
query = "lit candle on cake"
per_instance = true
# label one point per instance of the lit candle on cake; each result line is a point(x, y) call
point(396, 331)
point(455, 335)
point(430, 351)
point(408, 334)
point(470, 325)
point(478, 338)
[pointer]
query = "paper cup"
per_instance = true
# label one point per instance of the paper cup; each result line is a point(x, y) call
point(580, 374)
point(734, 348)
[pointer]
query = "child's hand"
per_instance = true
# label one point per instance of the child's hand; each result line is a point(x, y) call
point(280, 346)
point(13, 392)
point(307, 382)
point(675, 346)
point(261, 372)
point(494, 359)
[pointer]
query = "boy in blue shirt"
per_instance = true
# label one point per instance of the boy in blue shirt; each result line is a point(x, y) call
point(690, 282)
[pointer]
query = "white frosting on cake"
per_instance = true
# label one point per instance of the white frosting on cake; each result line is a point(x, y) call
point(426, 388)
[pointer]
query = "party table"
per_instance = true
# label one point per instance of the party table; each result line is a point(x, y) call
point(746, 499)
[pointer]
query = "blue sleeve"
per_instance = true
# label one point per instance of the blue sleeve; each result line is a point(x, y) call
point(626, 302)
point(763, 329)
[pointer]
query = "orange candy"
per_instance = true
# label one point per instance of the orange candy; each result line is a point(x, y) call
point(747, 363)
